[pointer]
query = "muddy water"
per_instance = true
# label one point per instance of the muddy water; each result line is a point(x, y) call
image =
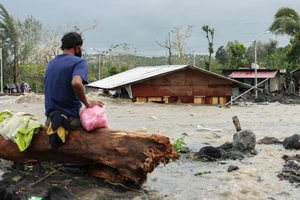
point(186, 179)
point(256, 178)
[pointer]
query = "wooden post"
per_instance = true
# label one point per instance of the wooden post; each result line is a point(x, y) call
point(236, 123)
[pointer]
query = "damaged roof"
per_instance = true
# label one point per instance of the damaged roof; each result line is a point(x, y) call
point(139, 74)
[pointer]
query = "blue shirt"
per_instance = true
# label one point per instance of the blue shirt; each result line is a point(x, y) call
point(59, 92)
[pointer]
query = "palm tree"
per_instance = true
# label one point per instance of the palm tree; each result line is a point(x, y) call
point(286, 21)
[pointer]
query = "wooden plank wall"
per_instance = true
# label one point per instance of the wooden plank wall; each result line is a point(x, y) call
point(186, 85)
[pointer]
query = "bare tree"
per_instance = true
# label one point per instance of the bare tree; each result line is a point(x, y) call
point(121, 55)
point(168, 46)
point(50, 46)
point(77, 28)
point(179, 40)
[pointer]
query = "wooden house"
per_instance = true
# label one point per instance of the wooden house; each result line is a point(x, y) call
point(172, 83)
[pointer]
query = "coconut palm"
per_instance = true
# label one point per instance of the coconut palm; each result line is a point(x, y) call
point(286, 21)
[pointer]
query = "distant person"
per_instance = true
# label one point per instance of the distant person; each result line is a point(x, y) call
point(17, 89)
point(24, 87)
point(65, 77)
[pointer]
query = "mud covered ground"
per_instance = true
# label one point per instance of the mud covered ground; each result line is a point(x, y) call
point(33, 180)
point(272, 115)
point(24, 182)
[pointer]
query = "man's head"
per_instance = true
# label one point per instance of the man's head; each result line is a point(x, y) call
point(72, 41)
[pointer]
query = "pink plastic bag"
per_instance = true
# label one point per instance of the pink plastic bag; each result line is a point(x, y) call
point(92, 118)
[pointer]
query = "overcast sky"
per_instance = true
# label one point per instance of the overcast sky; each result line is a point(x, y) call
point(141, 22)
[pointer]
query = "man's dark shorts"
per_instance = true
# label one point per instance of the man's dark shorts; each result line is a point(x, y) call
point(74, 122)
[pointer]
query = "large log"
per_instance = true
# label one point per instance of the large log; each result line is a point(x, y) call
point(118, 156)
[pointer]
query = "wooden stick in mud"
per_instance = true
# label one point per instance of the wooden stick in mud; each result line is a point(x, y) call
point(236, 123)
point(116, 156)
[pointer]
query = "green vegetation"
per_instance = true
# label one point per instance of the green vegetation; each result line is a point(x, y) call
point(179, 144)
point(210, 38)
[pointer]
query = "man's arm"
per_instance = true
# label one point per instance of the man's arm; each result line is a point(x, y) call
point(80, 93)
point(79, 90)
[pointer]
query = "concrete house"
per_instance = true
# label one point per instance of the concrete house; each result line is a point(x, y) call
point(172, 83)
point(271, 79)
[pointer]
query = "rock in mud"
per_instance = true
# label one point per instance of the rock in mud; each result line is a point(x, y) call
point(232, 168)
point(226, 146)
point(243, 144)
point(233, 155)
point(8, 193)
point(269, 140)
point(292, 142)
point(244, 140)
point(208, 153)
point(55, 192)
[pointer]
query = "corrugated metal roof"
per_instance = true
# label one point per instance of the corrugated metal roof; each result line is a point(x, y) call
point(143, 73)
point(251, 74)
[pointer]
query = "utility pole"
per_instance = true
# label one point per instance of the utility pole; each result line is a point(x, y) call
point(1, 63)
point(1, 67)
point(255, 62)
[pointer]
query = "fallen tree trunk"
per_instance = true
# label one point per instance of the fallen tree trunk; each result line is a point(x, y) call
point(118, 156)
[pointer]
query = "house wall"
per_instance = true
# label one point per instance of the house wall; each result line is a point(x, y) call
point(275, 84)
point(186, 86)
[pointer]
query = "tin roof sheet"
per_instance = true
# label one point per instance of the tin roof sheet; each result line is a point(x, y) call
point(251, 74)
point(143, 73)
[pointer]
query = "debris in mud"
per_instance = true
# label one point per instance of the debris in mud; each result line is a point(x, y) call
point(29, 98)
point(55, 192)
point(243, 144)
point(51, 180)
point(202, 128)
point(281, 97)
point(269, 140)
point(291, 169)
point(202, 173)
point(232, 168)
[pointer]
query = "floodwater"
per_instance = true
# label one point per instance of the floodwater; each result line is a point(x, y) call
point(204, 125)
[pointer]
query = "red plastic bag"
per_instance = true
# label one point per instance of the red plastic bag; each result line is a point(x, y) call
point(93, 118)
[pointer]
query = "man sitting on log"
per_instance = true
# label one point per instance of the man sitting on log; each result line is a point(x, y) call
point(65, 77)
